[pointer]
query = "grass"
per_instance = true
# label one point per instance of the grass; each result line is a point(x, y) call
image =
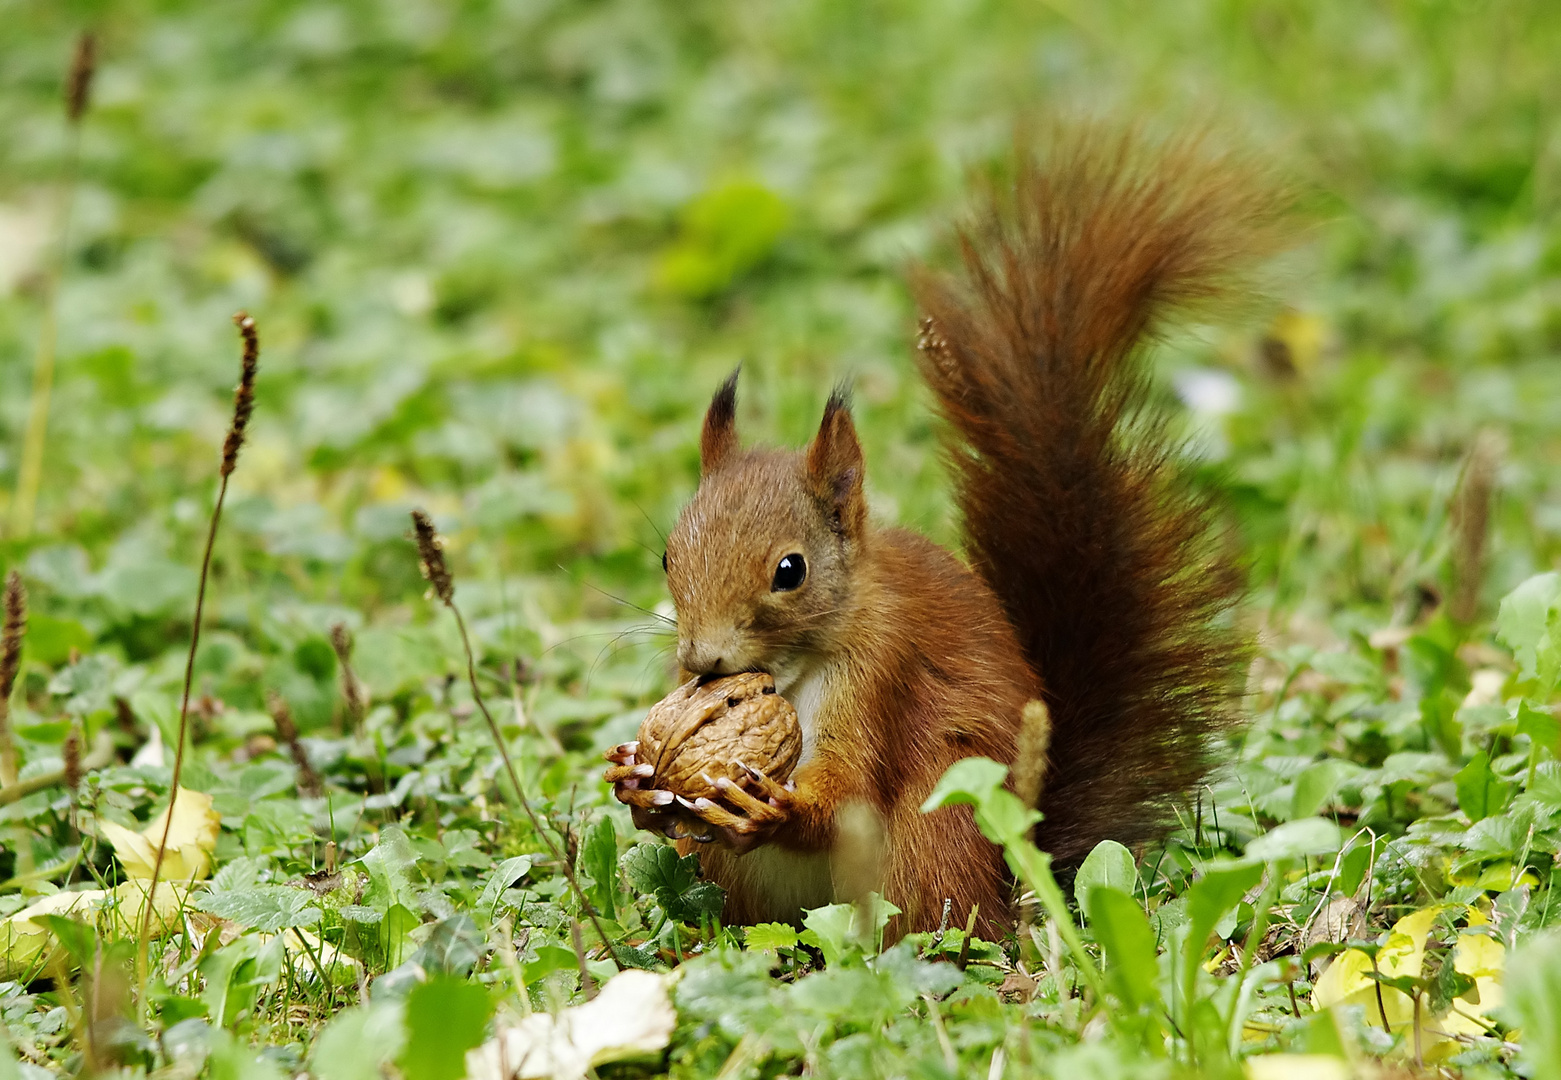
point(501, 255)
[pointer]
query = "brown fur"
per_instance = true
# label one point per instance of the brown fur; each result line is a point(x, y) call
point(1075, 512)
point(1091, 568)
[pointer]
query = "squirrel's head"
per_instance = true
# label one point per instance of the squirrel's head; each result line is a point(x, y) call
point(760, 561)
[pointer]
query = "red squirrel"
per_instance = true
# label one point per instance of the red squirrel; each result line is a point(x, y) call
point(1093, 577)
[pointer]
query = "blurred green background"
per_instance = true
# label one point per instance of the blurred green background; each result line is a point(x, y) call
point(500, 252)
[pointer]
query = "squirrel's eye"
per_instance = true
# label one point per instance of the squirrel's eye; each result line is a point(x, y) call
point(663, 562)
point(789, 573)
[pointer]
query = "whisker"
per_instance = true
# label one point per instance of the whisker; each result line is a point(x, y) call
point(628, 603)
point(652, 523)
point(609, 648)
point(813, 617)
point(571, 639)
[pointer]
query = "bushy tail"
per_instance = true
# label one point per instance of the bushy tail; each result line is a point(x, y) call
point(1075, 509)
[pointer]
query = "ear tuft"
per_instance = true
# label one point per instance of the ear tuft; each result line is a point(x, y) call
point(834, 465)
point(718, 441)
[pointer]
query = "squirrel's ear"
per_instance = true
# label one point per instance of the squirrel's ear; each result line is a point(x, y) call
point(718, 441)
point(835, 467)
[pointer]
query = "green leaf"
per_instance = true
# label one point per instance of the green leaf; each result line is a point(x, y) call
point(452, 947)
point(394, 931)
point(978, 781)
point(267, 908)
point(1124, 932)
point(1297, 839)
point(1439, 719)
point(1481, 793)
point(1218, 891)
point(1407, 985)
point(508, 872)
point(1543, 728)
point(234, 1059)
point(831, 926)
point(390, 865)
point(1353, 866)
point(771, 936)
point(673, 880)
point(79, 938)
point(549, 958)
point(599, 856)
point(445, 1017)
point(358, 1042)
point(1527, 624)
point(49, 640)
point(726, 232)
point(698, 902)
point(235, 975)
point(1109, 865)
point(150, 587)
point(1448, 984)
point(1532, 983)
point(970, 780)
point(651, 867)
point(1315, 786)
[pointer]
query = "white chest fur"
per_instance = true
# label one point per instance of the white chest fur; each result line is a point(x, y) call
point(785, 883)
point(790, 882)
point(805, 691)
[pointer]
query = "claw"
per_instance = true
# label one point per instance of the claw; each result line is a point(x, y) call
point(701, 803)
point(646, 769)
point(686, 804)
point(751, 771)
point(662, 798)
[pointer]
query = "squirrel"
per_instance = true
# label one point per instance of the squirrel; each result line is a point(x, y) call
point(1096, 578)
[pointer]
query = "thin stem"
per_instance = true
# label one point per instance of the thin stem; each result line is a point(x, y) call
point(243, 407)
point(520, 792)
point(184, 720)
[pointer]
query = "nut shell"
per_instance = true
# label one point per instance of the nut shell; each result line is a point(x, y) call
point(699, 733)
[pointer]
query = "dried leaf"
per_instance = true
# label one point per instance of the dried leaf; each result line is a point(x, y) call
point(631, 1017)
point(191, 840)
point(24, 941)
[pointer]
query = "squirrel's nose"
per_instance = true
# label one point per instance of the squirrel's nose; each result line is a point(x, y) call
point(698, 658)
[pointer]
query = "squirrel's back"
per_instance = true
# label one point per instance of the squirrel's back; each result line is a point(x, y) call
point(1075, 508)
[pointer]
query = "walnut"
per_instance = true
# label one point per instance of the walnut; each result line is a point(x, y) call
point(699, 733)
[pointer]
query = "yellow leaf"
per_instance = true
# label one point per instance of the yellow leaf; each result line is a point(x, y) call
point(309, 950)
point(116, 911)
point(1405, 950)
point(1303, 337)
point(1344, 977)
point(191, 840)
point(1479, 955)
point(1483, 959)
point(1347, 981)
point(1297, 1067)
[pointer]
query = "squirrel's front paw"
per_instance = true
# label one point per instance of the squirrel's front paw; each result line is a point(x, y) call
point(740, 818)
point(651, 809)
